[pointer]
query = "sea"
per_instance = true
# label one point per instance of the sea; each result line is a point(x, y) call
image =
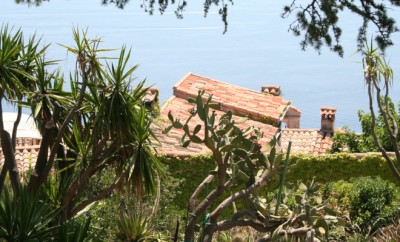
point(256, 50)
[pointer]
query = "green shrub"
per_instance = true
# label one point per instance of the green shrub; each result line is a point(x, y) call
point(371, 203)
point(337, 196)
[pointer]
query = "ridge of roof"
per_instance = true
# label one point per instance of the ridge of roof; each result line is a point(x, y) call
point(243, 101)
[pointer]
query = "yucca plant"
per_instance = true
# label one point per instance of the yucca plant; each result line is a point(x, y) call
point(27, 218)
point(17, 62)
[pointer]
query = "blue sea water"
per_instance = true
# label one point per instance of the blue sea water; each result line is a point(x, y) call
point(256, 50)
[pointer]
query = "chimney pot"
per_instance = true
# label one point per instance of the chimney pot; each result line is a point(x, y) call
point(150, 98)
point(328, 119)
point(274, 90)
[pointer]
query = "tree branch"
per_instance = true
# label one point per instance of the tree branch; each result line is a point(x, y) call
point(240, 194)
point(15, 127)
point(196, 193)
point(10, 162)
point(101, 195)
point(64, 126)
point(373, 132)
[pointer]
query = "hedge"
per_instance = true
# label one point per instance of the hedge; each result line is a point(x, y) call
point(323, 169)
point(336, 167)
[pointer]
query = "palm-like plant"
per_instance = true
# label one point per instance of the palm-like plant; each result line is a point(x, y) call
point(100, 124)
point(378, 76)
point(17, 62)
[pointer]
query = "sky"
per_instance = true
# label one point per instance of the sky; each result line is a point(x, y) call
point(256, 50)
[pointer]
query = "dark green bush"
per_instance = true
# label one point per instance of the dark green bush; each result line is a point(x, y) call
point(371, 203)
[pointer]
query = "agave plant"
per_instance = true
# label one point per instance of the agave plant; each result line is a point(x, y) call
point(132, 226)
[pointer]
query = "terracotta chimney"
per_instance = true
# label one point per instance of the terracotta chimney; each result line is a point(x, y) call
point(150, 98)
point(328, 119)
point(274, 90)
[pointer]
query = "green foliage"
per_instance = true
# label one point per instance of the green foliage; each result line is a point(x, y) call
point(380, 129)
point(132, 226)
point(26, 218)
point(372, 203)
point(335, 167)
point(99, 126)
point(318, 22)
point(240, 167)
point(30, 218)
point(74, 231)
point(190, 172)
point(164, 214)
point(324, 169)
point(303, 210)
point(348, 141)
point(360, 143)
point(337, 195)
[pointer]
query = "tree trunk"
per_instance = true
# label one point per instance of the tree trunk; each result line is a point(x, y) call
point(9, 161)
point(15, 128)
point(41, 161)
point(200, 210)
point(3, 175)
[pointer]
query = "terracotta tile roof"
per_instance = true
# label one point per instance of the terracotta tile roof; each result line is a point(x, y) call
point(179, 107)
point(25, 154)
point(311, 141)
point(242, 101)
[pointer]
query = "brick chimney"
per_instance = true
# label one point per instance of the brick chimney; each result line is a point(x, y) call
point(328, 119)
point(274, 90)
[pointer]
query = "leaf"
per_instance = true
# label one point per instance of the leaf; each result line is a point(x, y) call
point(225, 130)
point(197, 129)
point(196, 139)
point(321, 223)
point(272, 155)
point(37, 109)
point(236, 131)
point(216, 106)
point(170, 117)
point(242, 176)
point(211, 119)
point(318, 199)
point(262, 159)
point(177, 124)
point(85, 209)
point(330, 211)
point(167, 129)
point(240, 152)
point(313, 211)
point(210, 143)
point(191, 100)
point(227, 148)
point(200, 108)
point(186, 128)
point(186, 143)
point(341, 221)
point(299, 199)
point(302, 187)
point(242, 120)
